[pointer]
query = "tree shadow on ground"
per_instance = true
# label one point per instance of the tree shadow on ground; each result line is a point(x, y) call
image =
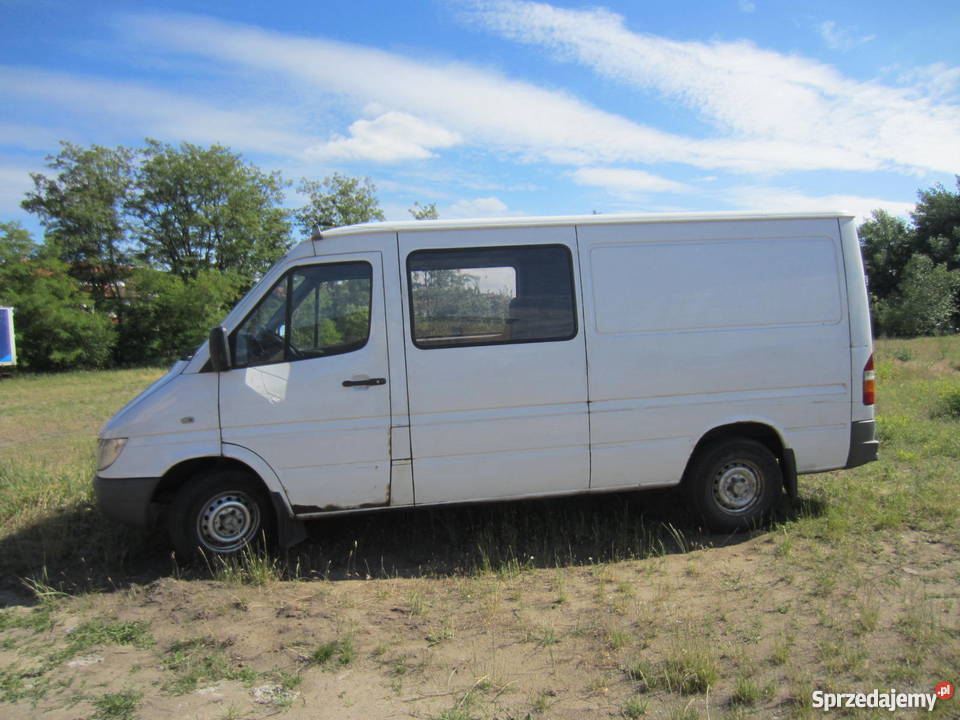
point(79, 550)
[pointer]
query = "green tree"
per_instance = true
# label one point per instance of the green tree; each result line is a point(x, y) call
point(936, 221)
point(887, 245)
point(168, 316)
point(201, 208)
point(16, 245)
point(924, 301)
point(82, 210)
point(336, 201)
point(57, 325)
point(424, 212)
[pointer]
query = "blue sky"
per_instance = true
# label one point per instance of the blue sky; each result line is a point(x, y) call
point(507, 107)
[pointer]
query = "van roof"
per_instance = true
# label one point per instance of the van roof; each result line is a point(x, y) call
point(612, 219)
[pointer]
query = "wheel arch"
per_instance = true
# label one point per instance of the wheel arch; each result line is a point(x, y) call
point(178, 475)
point(761, 432)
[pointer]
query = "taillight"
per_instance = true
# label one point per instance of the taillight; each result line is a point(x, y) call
point(869, 383)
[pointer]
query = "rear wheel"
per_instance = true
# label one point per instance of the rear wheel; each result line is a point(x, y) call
point(219, 514)
point(734, 485)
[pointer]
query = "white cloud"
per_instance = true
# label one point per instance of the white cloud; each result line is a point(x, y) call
point(154, 112)
point(476, 208)
point(623, 180)
point(776, 111)
point(771, 112)
point(392, 137)
point(14, 183)
point(939, 81)
point(772, 199)
point(29, 137)
point(746, 6)
point(838, 38)
point(483, 107)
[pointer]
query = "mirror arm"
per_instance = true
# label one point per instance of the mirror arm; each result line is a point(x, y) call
point(219, 349)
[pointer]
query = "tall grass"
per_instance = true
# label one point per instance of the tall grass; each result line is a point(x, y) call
point(48, 427)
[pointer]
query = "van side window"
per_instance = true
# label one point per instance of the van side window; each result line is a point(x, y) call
point(312, 311)
point(490, 296)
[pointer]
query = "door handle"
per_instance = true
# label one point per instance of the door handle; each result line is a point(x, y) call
point(368, 381)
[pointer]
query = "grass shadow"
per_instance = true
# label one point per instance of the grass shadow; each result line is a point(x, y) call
point(76, 550)
point(499, 537)
point(79, 550)
point(802, 507)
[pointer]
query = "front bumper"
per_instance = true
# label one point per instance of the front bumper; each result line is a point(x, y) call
point(863, 443)
point(127, 500)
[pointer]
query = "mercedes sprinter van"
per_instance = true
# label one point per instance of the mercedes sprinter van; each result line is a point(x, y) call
point(428, 362)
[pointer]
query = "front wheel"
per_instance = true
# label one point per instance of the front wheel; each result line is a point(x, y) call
point(735, 485)
point(219, 514)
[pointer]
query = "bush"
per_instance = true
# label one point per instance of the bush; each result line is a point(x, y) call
point(57, 327)
point(168, 316)
point(52, 336)
point(948, 402)
point(924, 301)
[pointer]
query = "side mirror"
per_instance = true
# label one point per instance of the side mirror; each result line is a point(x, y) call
point(219, 349)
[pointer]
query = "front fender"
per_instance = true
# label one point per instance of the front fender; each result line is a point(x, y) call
point(155, 455)
point(290, 530)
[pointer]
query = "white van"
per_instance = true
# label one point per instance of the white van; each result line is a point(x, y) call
point(429, 362)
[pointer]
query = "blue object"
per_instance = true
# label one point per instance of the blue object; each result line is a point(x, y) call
point(8, 350)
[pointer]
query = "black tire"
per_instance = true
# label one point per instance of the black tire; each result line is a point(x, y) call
point(734, 485)
point(219, 514)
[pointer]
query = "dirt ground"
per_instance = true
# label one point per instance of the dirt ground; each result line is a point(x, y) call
point(774, 617)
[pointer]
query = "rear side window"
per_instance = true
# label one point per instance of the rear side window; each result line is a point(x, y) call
point(491, 296)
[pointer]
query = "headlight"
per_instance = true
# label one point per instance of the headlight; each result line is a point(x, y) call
point(108, 451)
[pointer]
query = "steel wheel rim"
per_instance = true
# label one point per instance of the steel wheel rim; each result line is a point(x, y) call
point(738, 487)
point(228, 521)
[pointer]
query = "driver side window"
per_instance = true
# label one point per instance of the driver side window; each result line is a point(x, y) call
point(311, 312)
